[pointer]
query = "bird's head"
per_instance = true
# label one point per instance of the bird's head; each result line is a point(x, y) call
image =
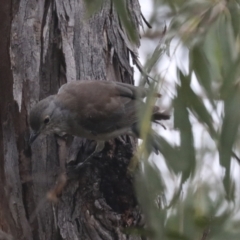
point(42, 117)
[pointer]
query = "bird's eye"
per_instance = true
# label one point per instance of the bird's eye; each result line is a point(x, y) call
point(46, 120)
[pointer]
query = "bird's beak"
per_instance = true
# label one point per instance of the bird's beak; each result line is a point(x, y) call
point(33, 136)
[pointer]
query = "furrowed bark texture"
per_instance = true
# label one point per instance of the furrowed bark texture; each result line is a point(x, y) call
point(46, 44)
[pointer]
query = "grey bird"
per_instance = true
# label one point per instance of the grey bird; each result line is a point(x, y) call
point(96, 110)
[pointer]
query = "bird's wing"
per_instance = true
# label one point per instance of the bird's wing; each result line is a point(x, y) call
point(127, 90)
point(101, 106)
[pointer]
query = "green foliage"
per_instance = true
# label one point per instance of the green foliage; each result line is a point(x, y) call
point(201, 205)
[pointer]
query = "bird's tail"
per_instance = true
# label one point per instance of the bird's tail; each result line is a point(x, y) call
point(157, 116)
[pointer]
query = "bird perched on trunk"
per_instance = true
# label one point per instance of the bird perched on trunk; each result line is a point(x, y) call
point(96, 110)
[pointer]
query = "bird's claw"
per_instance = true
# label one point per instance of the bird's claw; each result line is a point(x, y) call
point(78, 166)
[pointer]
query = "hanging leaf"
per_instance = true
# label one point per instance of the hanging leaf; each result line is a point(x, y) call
point(182, 122)
point(228, 135)
point(201, 67)
point(148, 186)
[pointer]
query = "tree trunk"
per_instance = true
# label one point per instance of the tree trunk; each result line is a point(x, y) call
point(43, 45)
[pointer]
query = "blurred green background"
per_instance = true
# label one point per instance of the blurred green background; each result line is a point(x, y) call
point(192, 189)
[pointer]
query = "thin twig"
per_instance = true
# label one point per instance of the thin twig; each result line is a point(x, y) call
point(146, 22)
point(235, 156)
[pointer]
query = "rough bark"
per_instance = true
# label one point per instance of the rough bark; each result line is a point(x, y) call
point(46, 44)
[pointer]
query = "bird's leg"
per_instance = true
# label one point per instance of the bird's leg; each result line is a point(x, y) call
point(99, 147)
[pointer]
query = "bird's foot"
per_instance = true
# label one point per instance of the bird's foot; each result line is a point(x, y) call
point(73, 170)
point(83, 164)
point(78, 166)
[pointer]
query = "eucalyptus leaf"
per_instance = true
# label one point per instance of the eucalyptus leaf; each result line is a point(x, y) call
point(228, 135)
point(235, 15)
point(182, 122)
point(148, 185)
point(201, 67)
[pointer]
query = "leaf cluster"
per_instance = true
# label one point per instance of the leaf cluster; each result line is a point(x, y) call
point(199, 208)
